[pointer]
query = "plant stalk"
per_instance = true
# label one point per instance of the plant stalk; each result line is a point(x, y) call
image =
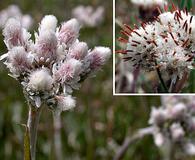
point(32, 124)
point(57, 136)
point(131, 139)
point(180, 83)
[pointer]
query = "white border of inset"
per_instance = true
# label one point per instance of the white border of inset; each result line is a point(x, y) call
point(113, 43)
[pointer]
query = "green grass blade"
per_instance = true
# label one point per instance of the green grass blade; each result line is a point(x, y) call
point(27, 154)
point(189, 4)
point(182, 3)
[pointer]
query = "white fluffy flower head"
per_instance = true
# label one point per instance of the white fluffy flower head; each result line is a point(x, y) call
point(174, 122)
point(65, 103)
point(40, 80)
point(19, 60)
point(98, 56)
point(69, 70)
point(51, 66)
point(168, 43)
point(49, 22)
point(69, 32)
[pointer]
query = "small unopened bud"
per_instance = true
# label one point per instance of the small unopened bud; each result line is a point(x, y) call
point(65, 103)
point(158, 116)
point(78, 50)
point(69, 32)
point(177, 131)
point(40, 80)
point(159, 139)
point(49, 22)
point(177, 110)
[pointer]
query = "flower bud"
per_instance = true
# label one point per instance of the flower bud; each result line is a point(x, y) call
point(40, 80)
point(65, 103)
point(98, 57)
point(177, 110)
point(158, 116)
point(78, 50)
point(49, 22)
point(19, 60)
point(46, 45)
point(159, 139)
point(177, 131)
point(69, 70)
point(13, 33)
point(69, 32)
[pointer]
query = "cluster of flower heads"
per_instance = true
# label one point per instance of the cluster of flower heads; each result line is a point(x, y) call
point(149, 3)
point(50, 67)
point(168, 43)
point(14, 11)
point(174, 123)
point(88, 16)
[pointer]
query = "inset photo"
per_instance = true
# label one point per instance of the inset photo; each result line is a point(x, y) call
point(155, 47)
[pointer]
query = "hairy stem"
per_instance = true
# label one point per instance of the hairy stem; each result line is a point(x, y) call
point(57, 136)
point(32, 124)
point(131, 139)
point(135, 76)
point(162, 81)
point(180, 83)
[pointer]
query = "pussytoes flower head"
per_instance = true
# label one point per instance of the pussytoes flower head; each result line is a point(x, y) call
point(167, 43)
point(46, 46)
point(13, 33)
point(19, 61)
point(177, 131)
point(54, 64)
point(69, 70)
point(97, 57)
point(69, 32)
point(49, 22)
point(88, 16)
point(65, 103)
point(78, 50)
point(173, 122)
point(40, 80)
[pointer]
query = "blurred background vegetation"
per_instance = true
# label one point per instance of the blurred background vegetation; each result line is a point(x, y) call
point(127, 13)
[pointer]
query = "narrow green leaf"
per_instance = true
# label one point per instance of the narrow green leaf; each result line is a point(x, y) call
point(191, 85)
point(27, 154)
point(182, 4)
point(189, 4)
